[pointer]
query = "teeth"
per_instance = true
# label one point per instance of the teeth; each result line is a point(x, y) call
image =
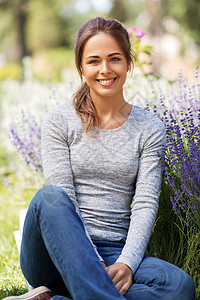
point(106, 81)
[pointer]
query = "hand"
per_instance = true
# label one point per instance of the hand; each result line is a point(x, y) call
point(121, 275)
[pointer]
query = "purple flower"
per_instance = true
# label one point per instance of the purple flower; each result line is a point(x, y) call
point(182, 162)
point(27, 141)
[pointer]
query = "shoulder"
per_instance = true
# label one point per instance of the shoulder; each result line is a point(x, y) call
point(66, 110)
point(63, 115)
point(150, 129)
point(146, 120)
point(62, 121)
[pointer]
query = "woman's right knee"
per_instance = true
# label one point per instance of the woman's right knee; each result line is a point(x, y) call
point(51, 195)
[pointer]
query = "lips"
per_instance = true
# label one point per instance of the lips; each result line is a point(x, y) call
point(106, 81)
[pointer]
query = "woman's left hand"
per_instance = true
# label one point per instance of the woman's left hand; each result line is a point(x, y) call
point(121, 275)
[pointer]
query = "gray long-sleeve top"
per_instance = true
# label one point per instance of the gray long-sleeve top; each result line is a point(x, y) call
point(102, 174)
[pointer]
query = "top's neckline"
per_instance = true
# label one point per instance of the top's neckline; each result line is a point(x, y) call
point(121, 126)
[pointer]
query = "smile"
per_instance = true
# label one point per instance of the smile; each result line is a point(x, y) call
point(106, 81)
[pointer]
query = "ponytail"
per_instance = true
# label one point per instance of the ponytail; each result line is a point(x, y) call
point(85, 108)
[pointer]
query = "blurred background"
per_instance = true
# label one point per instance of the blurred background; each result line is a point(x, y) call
point(44, 30)
point(37, 73)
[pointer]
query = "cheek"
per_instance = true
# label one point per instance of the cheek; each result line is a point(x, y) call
point(88, 71)
point(123, 73)
point(121, 69)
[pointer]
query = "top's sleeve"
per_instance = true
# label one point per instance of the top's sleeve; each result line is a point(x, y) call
point(146, 198)
point(56, 157)
point(55, 154)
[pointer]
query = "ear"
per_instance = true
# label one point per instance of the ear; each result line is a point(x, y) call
point(81, 71)
point(130, 67)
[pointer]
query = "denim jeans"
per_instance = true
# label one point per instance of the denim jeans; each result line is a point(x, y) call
point(56, 252)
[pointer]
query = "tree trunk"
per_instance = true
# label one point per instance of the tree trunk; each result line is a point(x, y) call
point(21, 23)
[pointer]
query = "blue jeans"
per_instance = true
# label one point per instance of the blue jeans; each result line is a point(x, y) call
point(56, 252)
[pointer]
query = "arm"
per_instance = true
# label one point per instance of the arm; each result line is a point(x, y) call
point(56, 156)
point(145, 204)
point(144, 207)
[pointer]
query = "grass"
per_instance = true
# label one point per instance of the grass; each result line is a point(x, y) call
point(12, 281)
point(174, 242)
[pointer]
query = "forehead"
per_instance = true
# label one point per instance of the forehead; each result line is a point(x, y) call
point(101, 44)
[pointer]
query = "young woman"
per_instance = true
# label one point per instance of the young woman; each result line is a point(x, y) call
point(84, 238)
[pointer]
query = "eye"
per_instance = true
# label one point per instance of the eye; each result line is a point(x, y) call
point(94, 62)
point(114, 59)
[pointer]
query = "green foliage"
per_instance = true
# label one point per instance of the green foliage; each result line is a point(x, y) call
point(12, 200)
point(139, 51)
point(11, 278)
point(165, 226)
point(174, 242)
point(119, 10)
point(43, 27)
point(7, 29)
point(126, 11)
point(50, 63)
point(12, 71)
point(48, 23)
point(187, 14)
point(47, 63)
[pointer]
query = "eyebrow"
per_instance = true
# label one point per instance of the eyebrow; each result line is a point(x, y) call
point(109, 55)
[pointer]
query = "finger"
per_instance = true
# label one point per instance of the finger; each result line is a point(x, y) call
point(124, 286)
point(116, 277)
point(111, 272)
point(119, 285)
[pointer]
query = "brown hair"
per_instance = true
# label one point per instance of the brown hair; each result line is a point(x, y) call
point(82, 101)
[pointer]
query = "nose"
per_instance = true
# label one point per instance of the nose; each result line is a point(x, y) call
point(105, 68)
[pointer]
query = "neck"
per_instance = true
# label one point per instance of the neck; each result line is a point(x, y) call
point(112, 111)
point(108, 106)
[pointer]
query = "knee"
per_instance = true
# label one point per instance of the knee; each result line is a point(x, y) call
point(52, 195)
point(169, 280)
point(181, 284)
point(51, 189)
point(186, 287)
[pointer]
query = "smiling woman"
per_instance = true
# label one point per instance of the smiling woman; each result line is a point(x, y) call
point(103, 57)
point(84, 235)
point(104, 67)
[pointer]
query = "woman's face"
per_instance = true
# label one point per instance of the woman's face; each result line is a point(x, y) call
point(104, 66)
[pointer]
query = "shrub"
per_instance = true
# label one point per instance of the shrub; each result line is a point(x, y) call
point(12, 71)
point(51, 63)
